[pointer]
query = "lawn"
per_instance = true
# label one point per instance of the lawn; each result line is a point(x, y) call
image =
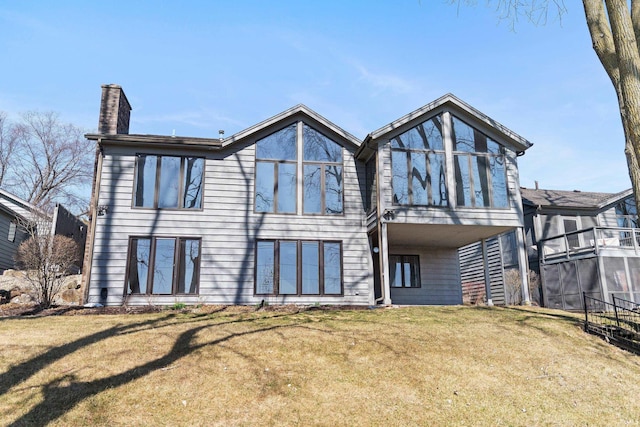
point(236, 366)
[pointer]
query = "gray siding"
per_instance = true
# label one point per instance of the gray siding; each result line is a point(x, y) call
point(228, 228)
point(439, 275)
point(8, 249)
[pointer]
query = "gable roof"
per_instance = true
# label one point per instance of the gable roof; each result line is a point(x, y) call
point(299, 109)
point(451, 101)
point(16, 206)
point(571, 199)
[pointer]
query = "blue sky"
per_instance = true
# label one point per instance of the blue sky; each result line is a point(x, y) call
point(199, 66)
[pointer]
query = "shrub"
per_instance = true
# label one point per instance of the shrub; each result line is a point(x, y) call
point(47, 260)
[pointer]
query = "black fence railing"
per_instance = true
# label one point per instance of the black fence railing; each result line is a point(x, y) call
point(617, 322)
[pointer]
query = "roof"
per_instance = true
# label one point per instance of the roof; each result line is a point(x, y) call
point(15, 205)
point(571, 199)
point(450, 100)
point(299, 109)
point(156, 140)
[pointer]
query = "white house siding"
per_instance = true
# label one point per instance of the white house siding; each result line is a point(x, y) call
point(439, 277)
point(228, 228)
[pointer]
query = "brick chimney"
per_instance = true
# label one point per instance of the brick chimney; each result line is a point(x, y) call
point(115, 111)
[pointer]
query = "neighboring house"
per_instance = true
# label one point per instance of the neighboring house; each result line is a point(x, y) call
point(17, 214)
point(582, 242)
point(296, 210)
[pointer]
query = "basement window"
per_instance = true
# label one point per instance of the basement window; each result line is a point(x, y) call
point(404, 271)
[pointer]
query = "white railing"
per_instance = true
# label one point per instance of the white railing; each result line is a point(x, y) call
point(589, 240)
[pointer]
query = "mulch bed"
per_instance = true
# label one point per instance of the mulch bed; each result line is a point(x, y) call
point(33, 310)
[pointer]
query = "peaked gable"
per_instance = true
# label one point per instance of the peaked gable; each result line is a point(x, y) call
point(299, 112)
point(457, 108)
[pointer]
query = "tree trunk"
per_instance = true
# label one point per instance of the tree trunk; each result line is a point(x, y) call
point(615, 43)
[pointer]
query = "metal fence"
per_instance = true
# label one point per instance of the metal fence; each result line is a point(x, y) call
point(617, 322)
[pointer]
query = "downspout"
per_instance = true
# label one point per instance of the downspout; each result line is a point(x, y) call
point(93, 211)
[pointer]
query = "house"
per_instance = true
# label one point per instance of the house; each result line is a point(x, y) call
point(14, 214)
point(296, 210)
point(582, 242)
point(17, 214)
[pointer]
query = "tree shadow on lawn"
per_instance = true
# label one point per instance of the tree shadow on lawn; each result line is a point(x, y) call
point(57, 399)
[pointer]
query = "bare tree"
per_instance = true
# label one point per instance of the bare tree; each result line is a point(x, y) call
point(614, 26)
point(46, 258)
point(46, 160)
point(8, 138)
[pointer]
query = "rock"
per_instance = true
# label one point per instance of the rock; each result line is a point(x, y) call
point(69, 296)
point(15, 292)
point(23, 299)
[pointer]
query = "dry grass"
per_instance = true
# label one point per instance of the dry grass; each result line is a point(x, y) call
point(409, 366)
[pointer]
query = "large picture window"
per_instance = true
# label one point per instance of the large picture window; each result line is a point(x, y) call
point(404, 271)
point(418, 165)
point(296, 267)
point(163, 265)
point(277, 180)
point(168, 182)
point(480, 169)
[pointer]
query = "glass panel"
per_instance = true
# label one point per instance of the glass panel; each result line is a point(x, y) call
point(499, 182)
point(400, 180)
point(189, 263)
point(11, 236)
point(463, 139)
point(463, 182)
point(333, 189)
point(470, 140)
point(419, 178)
point(288, 283)
point(265, 268)
point(395, 271)
point(286, 187)
point(319, 148)
point(312, 189)
point(163, 266)
point(192, 183)
point(145, 180)
point(425, 136)
point(264, 186)
point(371, 184)
point(280, 145)
point(480, 180)
point(169, 182)
point(438, 179)
point(414, 271)
point(332, 273)
point(138, 266)
point(310, 268)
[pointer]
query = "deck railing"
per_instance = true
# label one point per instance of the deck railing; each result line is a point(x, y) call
point(589, 241)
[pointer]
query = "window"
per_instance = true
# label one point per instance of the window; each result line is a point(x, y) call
point(296, 267)
point(276, 180)
point(13, 226)
point(627, 214)
point(480, 170)
point(371, 184)
point(404, 271)
point(322, 169)
point(163, 265)
point(168, 182)
point(418, 165)
point(571, 225)
point(276, 173)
